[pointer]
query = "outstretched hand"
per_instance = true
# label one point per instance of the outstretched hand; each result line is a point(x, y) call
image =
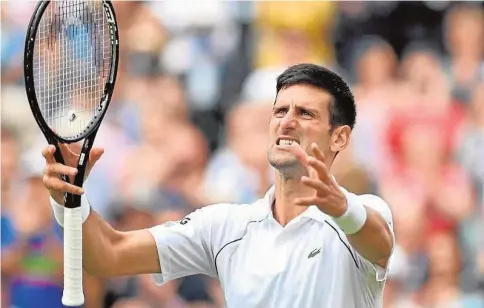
point(327, 196)
point(53, 170)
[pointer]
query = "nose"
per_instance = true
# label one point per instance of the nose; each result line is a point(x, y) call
point(288, 121)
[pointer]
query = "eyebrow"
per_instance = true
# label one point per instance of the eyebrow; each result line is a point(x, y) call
point(284, 104)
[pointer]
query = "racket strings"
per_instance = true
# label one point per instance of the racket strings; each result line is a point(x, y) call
point(71, 64)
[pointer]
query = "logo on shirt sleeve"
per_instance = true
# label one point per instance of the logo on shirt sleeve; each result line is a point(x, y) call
point(314, 252)
point(184, 221)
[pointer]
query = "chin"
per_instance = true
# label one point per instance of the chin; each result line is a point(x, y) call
point(283, 161)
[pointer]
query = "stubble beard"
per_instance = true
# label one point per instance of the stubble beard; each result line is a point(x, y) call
point(287, 164)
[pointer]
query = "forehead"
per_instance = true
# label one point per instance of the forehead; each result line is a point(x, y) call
point(303, 95)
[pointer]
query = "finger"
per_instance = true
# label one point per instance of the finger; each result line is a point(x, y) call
point(303, 157)
point(55, 184)
point(321, 169)
point(56, 169)
point(308, 201)
point(317, 152)
point(299, 152)
point(313, 173)
point(314, 183)
point(48, 153)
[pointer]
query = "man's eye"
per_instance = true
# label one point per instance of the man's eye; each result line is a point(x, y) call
point(280, 111)
point(306, 113)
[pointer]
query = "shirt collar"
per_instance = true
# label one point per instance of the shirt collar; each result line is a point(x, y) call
point(265, 208)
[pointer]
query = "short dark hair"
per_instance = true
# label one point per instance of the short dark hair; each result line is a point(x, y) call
point(343, 109)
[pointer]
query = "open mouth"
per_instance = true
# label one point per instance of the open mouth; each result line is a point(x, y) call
point(286, 141)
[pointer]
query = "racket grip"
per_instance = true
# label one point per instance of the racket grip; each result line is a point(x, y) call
point(73, 294)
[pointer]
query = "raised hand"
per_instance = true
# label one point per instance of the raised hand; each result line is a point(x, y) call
point(52, 174)
point(327, 196)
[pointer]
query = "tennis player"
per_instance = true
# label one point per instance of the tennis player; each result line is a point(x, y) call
point(307, 243)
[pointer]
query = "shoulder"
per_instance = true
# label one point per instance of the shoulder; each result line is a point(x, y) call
point(233, 210)
point(226, 215)
point(220, 223)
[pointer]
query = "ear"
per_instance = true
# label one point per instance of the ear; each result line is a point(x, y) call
point(340, 138)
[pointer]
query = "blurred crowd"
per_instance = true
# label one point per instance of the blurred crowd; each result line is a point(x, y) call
point(188, 127)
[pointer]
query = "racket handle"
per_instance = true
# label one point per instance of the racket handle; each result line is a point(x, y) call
point(73, 290)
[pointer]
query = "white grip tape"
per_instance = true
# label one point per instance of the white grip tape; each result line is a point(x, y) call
point(73, 290)
point(59, 210)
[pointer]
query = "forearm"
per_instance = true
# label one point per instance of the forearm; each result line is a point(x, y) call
point(94, 291)
point(99, 240)
point(108, 252)
point(374, 240)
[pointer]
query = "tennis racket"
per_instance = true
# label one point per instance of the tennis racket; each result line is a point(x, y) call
point(70, 66)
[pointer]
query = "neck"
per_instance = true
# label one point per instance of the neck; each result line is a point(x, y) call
point(287, 190)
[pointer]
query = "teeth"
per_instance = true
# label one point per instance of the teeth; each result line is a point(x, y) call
point(286, 142)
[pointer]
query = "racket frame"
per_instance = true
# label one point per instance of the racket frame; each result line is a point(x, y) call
point(90, 131)
point(29, 75)
point(73, 289)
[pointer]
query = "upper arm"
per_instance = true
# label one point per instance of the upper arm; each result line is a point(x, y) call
point(186, 247)
point(135, 253)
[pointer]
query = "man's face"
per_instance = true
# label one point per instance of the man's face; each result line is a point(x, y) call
point(300, 117)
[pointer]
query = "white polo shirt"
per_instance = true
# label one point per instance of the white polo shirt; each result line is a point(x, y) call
point(308, 263)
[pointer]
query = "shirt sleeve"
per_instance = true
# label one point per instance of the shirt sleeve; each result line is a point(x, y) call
point(185, 247)
point(379, 205)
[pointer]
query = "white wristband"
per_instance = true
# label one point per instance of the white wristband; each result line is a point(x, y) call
point(355, 216)
point(59, 210)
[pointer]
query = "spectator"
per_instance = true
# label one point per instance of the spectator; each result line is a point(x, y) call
point(31, 243)
point(464, 38)
point(236, 162)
